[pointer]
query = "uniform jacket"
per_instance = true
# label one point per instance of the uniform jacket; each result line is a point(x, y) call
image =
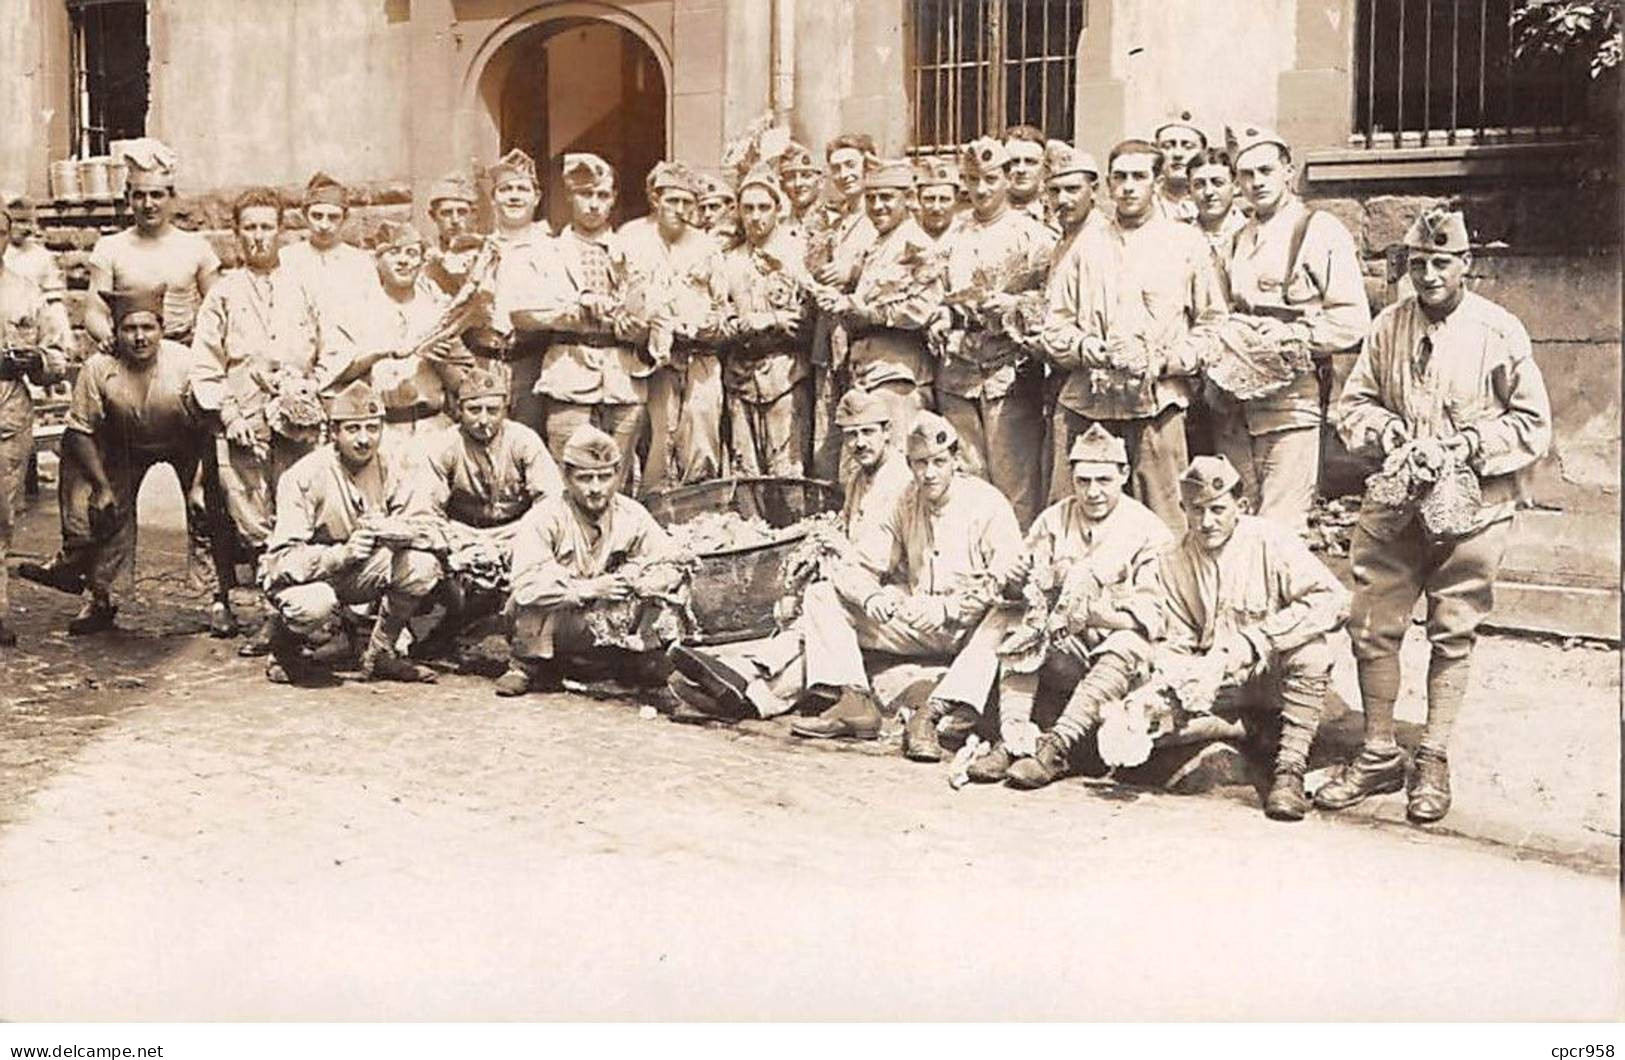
point(318, 506)
point(1121, 552)
point(27, 320)
point(889, 346)
point(127, 409)
point(249, 326)
point(1013, 249)
point(585, 361)
point(556, 547)
point(483, 485)
point(763, 366)
point(871, 496)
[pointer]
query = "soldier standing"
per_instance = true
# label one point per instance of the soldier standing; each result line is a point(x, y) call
point(525, 267)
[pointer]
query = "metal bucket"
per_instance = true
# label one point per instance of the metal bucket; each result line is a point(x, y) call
point(94, 182)
point(734, 589)
point(64, 179)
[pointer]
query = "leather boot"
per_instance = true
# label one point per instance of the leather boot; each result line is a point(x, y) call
point(1048, 763)
point(515, 681)
point(920, 742)
point(257, 643)
point(95, 617)
point(8, 639)
point(855, 716)
point(1372, 773)
point(719, 680)
point(382, 664)
point(1428, 793)
point(53, 575)
point(991, 767)
point(694, 706)
point(1286, 800)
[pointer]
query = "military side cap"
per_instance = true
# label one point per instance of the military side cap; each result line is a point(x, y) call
point(1064, 160)
point(936, 171)
point(1243, 138)
point(930, 435)
point(673, 176)
point(323, 189)
point(584, 171)
point(797, 159)
point(712, 187)
point(590, 449)
point(122, 303)
point(761, 175)
point(1208, 477)
point(1097, 445)
point(481, 383)
point(148, 161)
point(1180, 119)
point(890, 173)
point(983, 155)
point(1439, 228)
point(861, 407)
point(392, 234)
point(355, 402)
point(452, 186)
point(513, 165)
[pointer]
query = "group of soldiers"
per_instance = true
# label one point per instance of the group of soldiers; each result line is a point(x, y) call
point(1006, 366)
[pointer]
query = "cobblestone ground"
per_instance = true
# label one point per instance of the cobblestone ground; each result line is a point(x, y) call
point(180, 840)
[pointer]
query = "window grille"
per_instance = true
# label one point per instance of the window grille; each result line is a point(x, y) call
point(109, 60)
point(979, 66)
point(1434, 73)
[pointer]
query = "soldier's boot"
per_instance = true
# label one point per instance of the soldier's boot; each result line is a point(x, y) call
point(1286, 800)
point(528, 675)
point(1049, 762)
point(695, 706)
point(287, 663)
point(8, 638)
point(96, 616)
point(991, 767)
point(58, 575)
point(855, 716)
point(957, 724)
point(920, 743)
point(1428, 794)
point(379, 663)
point(719, 681)
point(1372, 773)
point(258, 643)
point(222, 621)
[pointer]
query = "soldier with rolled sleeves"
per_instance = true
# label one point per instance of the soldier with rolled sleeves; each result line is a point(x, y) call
point(1448, 369)
point(1131, 321)
point(1097, 552)
point(671, 261)
point(129, 412)
point(571, 552)
point(451, 209)
point(764, 319)
point(1181, 140)
point(987, 385)
point(1250, 596)
point(335, 547)
point(1295, 276)
point(936, 191)
point(33, 336)
point(153, 252)
point(1024, 145)
point(590, 372)
point(899, 287)
point(525, 269)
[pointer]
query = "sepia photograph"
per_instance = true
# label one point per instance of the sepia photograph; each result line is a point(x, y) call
point(809, 511)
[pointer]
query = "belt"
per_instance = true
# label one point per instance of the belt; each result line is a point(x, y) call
point(565, 338)
point(877, 332)
point(412, 413)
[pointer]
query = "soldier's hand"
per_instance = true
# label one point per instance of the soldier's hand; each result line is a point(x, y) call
point(1020, 569)
point(882, 605)
point(608, 587)
point(1393, 436)
point(241, 434)
point(827, 274)
point(594, 304)
point(1459, 446)
point(1092, 352)
point(362, 544)
point(829, 299)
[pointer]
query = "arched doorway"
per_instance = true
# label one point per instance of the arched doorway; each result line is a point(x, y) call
point(579, 83)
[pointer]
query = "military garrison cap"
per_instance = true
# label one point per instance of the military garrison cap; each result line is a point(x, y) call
point(590, 449)
point(936, 171)
point(891, 173)
point(514, 164)
point(355, 402)
point(481, 383)
point(930, 435)
point(983, 155)
point(1208, 477)
point(584, 171)
point(323, 189)
point(860, 407)
point(135, 300)
point(1097, 445)
point(1440, 228)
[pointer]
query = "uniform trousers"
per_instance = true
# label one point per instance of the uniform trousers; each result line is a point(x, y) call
point(14, 453)
point(1279, 470)
point(623, 422)
point(1457, 577)
point(395, 578)
point(106, 554)
point(1000, 439)
point(524, 404)
point(1156, 455)
point(768, 437)
point(249, 483)
point(685, 423)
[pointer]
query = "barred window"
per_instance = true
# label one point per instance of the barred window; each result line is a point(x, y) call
point(109, 70)
point(978, 66)
point(1440, 72)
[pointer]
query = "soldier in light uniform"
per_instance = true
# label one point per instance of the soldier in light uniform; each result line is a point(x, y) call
point(1025, 146)
point(1143, 293)
point(572, 551)
point(397, 313)
point(1099, 537)
point(899, 287)
point(451, 208)
point(1295, 272)
point(672, 260)
point(327, 552)
point(987, 385)
point(716, 208)
point(336, 275)
point(128, 413)
point(29, 258)
point(152, 253)
point(33, 336)
point(1070, 191)
point(590, 373)
point(1181, 141)
point(803, 183)
point(1249, 594)
point(1212, 180)
point(759, 288)
point(1448, 366)
point(936, 190)
point(526, 269)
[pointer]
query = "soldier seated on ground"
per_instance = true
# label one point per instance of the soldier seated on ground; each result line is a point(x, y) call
point(128, 414)
point(340, 542)
point(1091, 593)
point(1244, 595)
point(591, 573)
point(919, 583)
point(476, 481)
